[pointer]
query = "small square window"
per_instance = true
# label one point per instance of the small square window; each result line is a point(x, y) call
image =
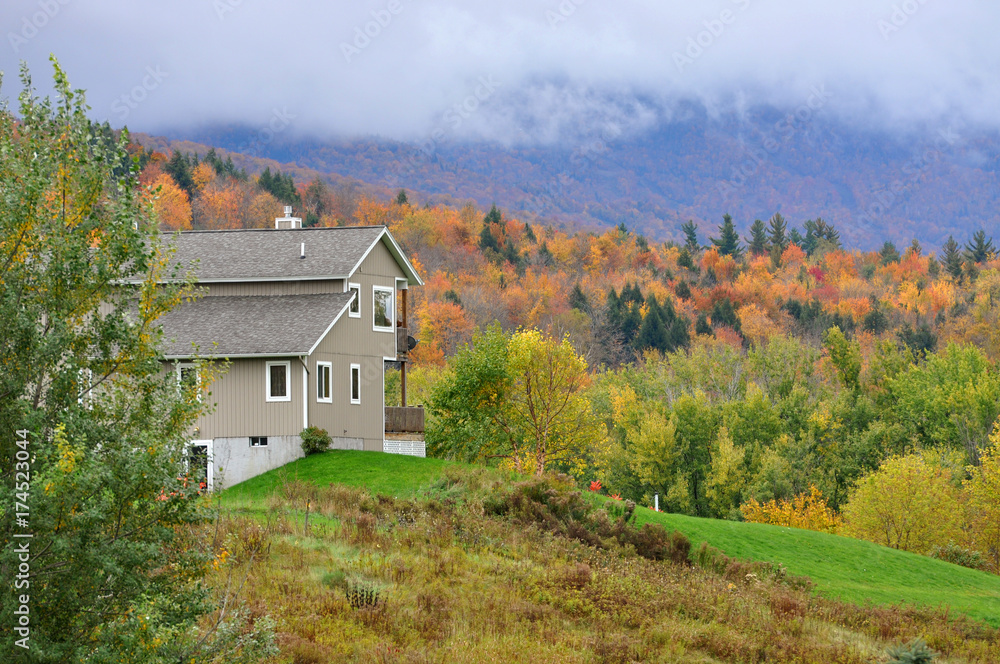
point(355, 309)
point(323, 382)
point(355, 383)
point(258, 441)
point(277, 381)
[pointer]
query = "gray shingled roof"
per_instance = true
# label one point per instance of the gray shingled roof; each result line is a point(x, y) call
point(264, 254)
point(224, 326)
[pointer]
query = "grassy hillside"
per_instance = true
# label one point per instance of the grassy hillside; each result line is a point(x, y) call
point(848, 569)
point(415, 560)
point(842, 568)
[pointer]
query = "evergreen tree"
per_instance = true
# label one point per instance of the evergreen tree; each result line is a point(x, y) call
point(933, 267)
point(401, 198)
point(529, 234)
point(952, 258)
point(776, 233)
point(728, 242)
point(488, 242)
point(702, 326)
point(451, 296)
point(920, 340)
point(652, 333)
point(685, 260)
point(691, 242)
point(614, 306)
point(631, 321)
point(280, 186)
point(723, 313)
point(826, 232)
point(682, 290)
point(578, 299)
point(757, 242)
point(493, 216)
point(179, 168)
point(914, 248)
point(888, 253)
point(632, 294)
point(545, 256)
point(981, 247)
point(795, 237)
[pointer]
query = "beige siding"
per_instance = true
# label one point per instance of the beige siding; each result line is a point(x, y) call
point(353, 341)
point(305, 287)
point(239, 396)
point(241, 406)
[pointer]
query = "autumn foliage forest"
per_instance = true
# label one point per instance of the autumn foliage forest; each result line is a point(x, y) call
point(770, 374)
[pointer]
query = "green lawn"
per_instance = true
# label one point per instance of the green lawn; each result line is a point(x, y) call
point(845, 568)
point(388, 474)
point(841, 567)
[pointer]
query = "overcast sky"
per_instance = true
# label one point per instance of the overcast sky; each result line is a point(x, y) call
point(519, 71)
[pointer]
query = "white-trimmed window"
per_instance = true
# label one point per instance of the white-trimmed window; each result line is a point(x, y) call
point(86, 396)
point(354, 311)
point(383, 309)
point(279, 385)
point(324, 382)
point(355, 383)
point(258, 441)
point(188, 376)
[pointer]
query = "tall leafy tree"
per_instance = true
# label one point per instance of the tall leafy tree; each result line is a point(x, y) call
point(103, 427)
point(728, 242)
point(757, 242)
point(515, 397)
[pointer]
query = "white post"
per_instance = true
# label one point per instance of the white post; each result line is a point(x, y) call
point(656, 502)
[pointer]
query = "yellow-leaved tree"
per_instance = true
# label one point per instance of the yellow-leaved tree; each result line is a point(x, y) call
point(806, 510)
point(906, 504)
point(983, 493)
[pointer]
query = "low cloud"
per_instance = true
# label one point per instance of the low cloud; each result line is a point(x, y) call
point(396, 68)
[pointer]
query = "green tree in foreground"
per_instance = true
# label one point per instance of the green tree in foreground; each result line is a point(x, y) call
point(516, 397)
point(101, 461)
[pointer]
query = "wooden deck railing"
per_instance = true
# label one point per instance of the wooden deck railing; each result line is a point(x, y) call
point(404, 420)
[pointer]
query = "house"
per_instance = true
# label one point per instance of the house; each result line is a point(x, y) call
point(307, 318)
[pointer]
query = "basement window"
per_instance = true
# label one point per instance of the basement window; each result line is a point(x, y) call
point(258, 441)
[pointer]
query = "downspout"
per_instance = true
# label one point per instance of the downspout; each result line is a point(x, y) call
point(305, 392)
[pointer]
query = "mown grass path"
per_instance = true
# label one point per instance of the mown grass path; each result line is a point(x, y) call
point(842, 568)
